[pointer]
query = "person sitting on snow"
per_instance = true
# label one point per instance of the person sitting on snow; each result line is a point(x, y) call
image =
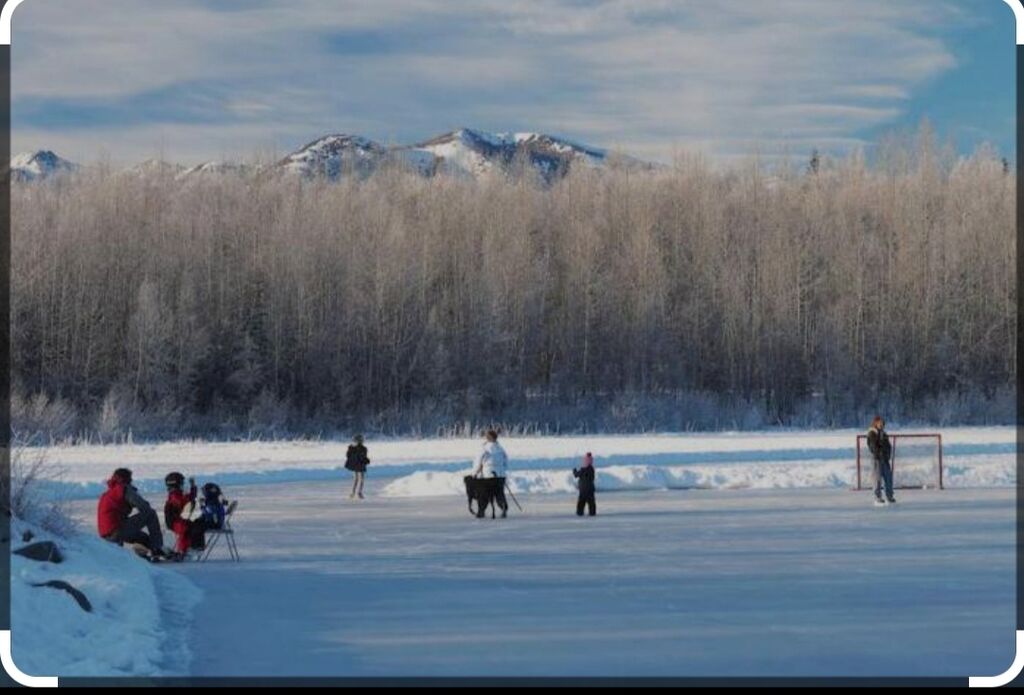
point(492, 463)
point(115, 521)
point(187, 532)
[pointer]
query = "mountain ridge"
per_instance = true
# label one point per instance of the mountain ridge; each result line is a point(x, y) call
point(463, 152)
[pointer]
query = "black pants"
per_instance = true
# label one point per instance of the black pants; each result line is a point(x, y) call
point(131, 531)
point(197, 534)
point(586, 499)
point(499, 497)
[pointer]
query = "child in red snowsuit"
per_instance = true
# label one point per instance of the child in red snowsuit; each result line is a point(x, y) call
point(174, 510)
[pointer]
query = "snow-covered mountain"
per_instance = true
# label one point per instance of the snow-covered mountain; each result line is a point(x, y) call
point(476, 153)
point(32, 166)
point(463, 152)
point(334, 156)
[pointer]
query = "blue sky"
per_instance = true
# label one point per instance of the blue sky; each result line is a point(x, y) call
point(973, 101)
point(195, 80)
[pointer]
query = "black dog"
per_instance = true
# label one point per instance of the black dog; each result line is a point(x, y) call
point(485, 492)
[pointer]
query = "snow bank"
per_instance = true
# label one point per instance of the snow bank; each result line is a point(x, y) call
point(426, 484)
point(982, 471)
point(139, 620)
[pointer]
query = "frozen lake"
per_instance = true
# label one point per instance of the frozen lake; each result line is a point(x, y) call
point(712, 583)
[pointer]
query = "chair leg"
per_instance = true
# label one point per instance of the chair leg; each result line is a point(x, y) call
point(233, 548)
point(209, 547)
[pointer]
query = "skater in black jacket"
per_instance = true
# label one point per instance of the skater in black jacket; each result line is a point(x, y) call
point(585, 473)
point(356, 461)
point(881, 455)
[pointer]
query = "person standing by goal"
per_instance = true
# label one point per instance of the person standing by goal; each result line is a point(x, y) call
point(881, 454)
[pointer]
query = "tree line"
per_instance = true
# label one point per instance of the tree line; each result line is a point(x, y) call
point(684, 298)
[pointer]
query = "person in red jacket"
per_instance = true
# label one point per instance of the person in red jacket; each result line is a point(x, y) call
point(115, 521)
point(174, 509)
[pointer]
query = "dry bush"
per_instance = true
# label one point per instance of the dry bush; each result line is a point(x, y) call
point(33, 492)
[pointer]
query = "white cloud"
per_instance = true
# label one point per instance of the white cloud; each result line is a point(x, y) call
point(654, 74)
point(873, 91)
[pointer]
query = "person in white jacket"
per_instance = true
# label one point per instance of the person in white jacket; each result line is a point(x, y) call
point(492, 463)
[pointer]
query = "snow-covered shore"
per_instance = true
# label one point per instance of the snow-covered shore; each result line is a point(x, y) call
point(139, 619)
point(974, 457)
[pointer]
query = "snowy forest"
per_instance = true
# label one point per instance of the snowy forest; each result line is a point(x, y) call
point(689, 297)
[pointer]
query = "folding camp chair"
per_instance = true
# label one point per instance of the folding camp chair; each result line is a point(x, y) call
point(227, 532)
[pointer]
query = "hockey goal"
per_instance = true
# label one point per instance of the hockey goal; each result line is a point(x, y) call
point(916, 461)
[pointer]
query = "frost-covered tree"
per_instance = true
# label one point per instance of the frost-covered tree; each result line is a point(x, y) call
point(684, 297)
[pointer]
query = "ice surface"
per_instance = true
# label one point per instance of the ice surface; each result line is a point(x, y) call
point(777, 569)
point(751, 582)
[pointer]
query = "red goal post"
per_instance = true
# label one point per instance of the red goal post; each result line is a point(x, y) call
point(916, 461)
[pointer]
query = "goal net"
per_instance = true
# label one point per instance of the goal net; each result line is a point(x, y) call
point(916, 461)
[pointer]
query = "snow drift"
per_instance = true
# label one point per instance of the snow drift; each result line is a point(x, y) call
point(983, 471)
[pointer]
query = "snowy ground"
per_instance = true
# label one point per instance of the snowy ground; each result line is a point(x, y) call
point(732, 582)
point(140, 614)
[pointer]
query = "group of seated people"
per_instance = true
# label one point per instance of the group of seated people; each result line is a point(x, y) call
point(117, 524)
